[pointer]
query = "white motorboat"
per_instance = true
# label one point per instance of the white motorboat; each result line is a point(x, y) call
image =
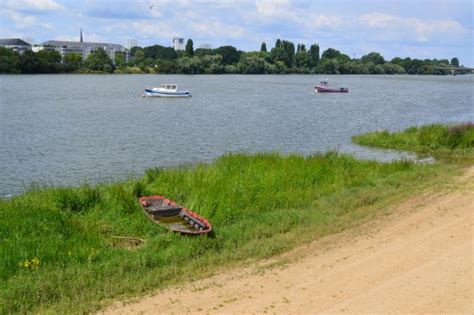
point(166, 90)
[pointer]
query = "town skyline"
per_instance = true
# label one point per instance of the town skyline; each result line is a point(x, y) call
point(426, 29)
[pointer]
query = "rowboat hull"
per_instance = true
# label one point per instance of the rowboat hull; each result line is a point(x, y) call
point(173, 216)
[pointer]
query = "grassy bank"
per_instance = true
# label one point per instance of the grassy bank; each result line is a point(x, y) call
point(455, 141)
point(58, 252)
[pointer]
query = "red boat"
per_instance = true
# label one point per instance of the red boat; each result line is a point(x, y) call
point(173, 216)
point(324, 88)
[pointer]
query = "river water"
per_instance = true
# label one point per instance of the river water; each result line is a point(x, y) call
point(71, 129)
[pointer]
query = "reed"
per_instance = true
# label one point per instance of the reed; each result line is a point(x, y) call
point(65, 249)
point(436, 139)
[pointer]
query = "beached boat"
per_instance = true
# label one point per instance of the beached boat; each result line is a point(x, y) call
point(166, 90)
point(173, 216)
point(323, 87)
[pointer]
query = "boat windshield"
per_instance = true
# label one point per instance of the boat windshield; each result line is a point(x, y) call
point(324, 83)
point(169, 87)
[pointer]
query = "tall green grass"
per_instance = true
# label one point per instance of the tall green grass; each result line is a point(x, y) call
point(57, 253)
point(437, 139)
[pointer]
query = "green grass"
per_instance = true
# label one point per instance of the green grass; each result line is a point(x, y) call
point(260, 205)
point(438, 140)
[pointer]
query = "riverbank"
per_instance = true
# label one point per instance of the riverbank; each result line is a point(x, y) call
point(58, 253)
point(443, 141)
point(417, 259)
point(61, 252)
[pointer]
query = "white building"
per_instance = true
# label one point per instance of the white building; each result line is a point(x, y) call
point(178, 43)
point(15, 44)
point(132, 43)
point(82, 48)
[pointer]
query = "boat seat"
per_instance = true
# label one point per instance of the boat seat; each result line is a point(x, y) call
point(194, 221)
point(166, 212)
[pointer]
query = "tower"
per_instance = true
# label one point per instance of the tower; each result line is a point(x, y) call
point(80, 40)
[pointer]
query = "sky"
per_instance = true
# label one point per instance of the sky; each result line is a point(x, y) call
point(440, 29)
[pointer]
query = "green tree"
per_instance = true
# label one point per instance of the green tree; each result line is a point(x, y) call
point(158, 52)
point(330, 53)
point(343, 58)
point(212, 64)
point(280, 67)
point(374, 57)
point(9, 60)
point(390, 68)
point(189, 48)
point(230, 55)
point(278, 43)
point(29, 62)
point(189, 65)
point(200, 52)
point(283, 51)
point(278, 54)
point(252, 65)
point(263, 47)
point(374, 68)
point(99, 61)
point(166, 66)
point(302, 58)
point(328, 66)
point(138, 55)
point(119, 60)
point(455, 62)
point(73, 61)
point(49, 60)
point(134, 49)
point(314, 55)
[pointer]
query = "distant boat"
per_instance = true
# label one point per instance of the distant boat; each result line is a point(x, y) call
point(165, 90)
point(323, 87)
point(173, 216)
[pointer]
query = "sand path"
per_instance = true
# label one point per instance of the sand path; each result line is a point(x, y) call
point(417, 260)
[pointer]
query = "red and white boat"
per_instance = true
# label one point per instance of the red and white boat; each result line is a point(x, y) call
point(173, 216)
point(323, 87)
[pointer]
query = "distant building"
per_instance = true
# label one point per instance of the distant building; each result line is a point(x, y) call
point(178, 43)
point(205, 46)
point(132, 43)
point(82, 48)
point(15, 44)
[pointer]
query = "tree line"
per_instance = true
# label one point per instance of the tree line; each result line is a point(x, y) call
point(283, 58)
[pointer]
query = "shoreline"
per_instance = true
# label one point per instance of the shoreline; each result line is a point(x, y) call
point(380, 265)
point(60, 243)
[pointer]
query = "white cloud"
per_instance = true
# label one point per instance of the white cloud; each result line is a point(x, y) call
point(296, 13)
point(21, 21)
point(155, 29)
point(274, 9)
point(47, 26)
point(421, 31)
point(316, 21)
point(32, 5)
point(216, 28)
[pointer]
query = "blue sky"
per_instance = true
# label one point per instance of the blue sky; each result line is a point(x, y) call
point(416, 28)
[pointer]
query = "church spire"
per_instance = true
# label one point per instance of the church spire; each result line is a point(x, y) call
point(81, 36)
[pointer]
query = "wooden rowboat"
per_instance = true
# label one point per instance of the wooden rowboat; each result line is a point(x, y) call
point(173, 216)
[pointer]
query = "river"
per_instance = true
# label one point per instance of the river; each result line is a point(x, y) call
point(72, 129)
